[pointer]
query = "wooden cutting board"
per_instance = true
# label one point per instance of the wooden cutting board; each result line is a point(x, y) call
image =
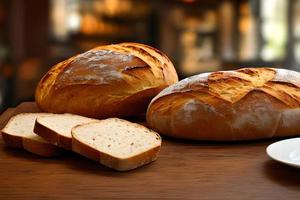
point(184, 170)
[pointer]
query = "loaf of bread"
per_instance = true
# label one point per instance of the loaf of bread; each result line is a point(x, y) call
point(18, 133)
point(245, 104)
point(108, 81)
point(116, 143)
point(56, 128)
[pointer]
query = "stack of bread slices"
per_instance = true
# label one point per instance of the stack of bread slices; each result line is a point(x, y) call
point(116, 143)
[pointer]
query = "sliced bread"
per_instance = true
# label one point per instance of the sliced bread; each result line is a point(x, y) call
point(56, 128)
point(116, 143)
point(18, 133)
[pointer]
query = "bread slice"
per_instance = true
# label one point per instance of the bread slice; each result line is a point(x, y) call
point(116, 143)
point(56, 128)
point(18, 133)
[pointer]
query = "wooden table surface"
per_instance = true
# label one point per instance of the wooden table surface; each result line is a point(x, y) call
point(184, 170)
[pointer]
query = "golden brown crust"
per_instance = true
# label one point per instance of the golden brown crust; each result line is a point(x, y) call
point(39, 148)
point(231, 105)
point(130, 163)
point(33, 146)
point(52, 137)
point(113, 162)
point(233, 86)
point(28, 141)
point(94, 83)
point(85, 150)
point(12, 140)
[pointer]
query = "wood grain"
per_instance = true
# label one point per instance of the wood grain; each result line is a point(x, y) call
point(184, 170)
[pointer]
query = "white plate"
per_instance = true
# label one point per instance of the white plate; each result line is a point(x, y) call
point(286, 151)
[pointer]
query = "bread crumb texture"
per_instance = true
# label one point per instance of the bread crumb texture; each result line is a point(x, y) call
point(117, 138)
point(63, 123)
point(22, 125)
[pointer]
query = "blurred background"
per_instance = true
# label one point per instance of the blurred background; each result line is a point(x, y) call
point(197, 35)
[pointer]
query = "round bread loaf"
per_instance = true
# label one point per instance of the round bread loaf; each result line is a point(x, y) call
point(108, 81)
point(245, 104)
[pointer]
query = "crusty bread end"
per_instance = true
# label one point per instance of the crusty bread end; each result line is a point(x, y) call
point(18, 133)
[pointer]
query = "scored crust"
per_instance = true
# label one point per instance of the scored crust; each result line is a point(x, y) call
point(245, 104)
point(232, 86)
point(106, 76)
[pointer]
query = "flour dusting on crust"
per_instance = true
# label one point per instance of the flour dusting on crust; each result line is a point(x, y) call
point(290, 118)
point(287, 76)
point(95, 66)
point(282, 75)
point(189, 107)
point(177, 87)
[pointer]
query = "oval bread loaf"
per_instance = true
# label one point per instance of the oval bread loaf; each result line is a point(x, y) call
point(245, 104)
point(108, 81)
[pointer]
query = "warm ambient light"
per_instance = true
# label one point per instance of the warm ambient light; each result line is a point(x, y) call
point(188, 1)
